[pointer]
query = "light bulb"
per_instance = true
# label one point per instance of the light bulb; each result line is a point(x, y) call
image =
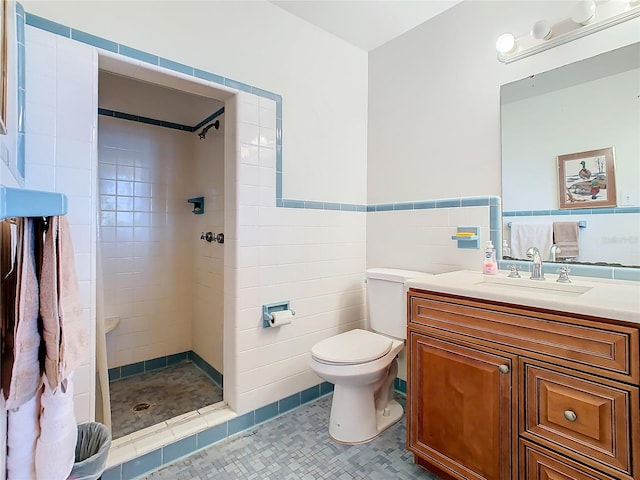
point(584, 12)
point(541, 30)
point(506, 43)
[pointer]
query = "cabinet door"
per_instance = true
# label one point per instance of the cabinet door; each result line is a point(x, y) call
point(537, 463)
point(461, 408)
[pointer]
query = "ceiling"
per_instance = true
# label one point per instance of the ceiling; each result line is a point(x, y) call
point(367, 24)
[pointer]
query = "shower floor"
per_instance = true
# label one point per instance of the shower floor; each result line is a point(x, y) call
point(169, 392)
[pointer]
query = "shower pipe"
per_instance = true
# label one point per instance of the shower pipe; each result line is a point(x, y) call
point(204, 131)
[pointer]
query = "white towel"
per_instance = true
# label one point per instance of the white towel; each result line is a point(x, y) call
point(525, 235)
point(56, 446)
point(22, 431)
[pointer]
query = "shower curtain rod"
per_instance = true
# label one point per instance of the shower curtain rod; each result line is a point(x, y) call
point(18, 202)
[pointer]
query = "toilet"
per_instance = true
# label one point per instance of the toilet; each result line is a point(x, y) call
point(363, 364)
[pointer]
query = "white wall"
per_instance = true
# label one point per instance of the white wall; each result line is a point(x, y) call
point(207, 277)
point(61, 123)
point(434, 118)
point(314, 258)
point(146, 235)
point(322, 79)
point(434, 97)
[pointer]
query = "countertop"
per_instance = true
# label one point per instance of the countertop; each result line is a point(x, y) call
point(614, 299)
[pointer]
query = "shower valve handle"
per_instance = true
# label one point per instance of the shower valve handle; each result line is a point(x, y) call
point(207, 236)
point(212, 237)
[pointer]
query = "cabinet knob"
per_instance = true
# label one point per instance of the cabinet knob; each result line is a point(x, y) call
point(570, 416)
point(503, 368)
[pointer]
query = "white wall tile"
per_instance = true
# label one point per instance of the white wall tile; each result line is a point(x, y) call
point(324, 276)
point(248, 133)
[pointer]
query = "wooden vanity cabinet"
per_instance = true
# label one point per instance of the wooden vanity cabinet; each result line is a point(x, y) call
point(497, 391)
point(461, 403)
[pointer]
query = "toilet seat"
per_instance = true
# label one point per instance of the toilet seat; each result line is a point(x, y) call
point(351, 348)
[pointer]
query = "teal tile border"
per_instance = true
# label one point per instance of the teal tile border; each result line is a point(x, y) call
point(126, 371)
point(572, 211)
point(400, 385)
point(114, 47)
point(189, 445)
point(596, 271)
point(53, 27)
point(494, 201)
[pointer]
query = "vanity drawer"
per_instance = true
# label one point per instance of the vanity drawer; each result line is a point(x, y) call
point(537, 463)
point(571, 339)
point(588, 417)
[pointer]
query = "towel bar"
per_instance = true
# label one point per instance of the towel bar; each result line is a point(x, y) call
point(581, 224)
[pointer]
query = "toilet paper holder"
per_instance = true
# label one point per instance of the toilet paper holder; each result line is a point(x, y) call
point(268, 310)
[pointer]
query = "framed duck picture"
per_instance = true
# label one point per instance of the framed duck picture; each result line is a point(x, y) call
point(587, 179)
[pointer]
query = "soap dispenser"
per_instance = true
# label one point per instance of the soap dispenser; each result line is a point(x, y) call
point(490, 264)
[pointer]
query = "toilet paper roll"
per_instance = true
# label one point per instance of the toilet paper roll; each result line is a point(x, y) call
point(283, 317)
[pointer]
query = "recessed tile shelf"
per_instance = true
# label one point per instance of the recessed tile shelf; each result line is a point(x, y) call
point(467, 237)
point(198, 205)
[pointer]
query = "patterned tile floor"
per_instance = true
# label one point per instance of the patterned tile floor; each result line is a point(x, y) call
point(296, 446)
point(170, 392)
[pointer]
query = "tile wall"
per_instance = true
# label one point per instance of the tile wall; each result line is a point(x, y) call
point(207, 263)
point(313, 258)
point(60, 156)
point(146, 238)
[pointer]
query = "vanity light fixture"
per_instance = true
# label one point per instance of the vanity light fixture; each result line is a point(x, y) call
point(541, 30)
point(506, 43)
point(587, 18)
point(584, 12)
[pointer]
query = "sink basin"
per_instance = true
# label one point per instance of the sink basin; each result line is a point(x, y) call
point(546, 287)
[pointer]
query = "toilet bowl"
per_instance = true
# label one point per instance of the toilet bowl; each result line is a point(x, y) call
point(363, 364)
point(354, 417)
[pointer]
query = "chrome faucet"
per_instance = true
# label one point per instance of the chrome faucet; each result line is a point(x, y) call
point(555, 250)
point(536, 271)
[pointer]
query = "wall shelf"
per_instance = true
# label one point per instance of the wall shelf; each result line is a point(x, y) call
point(19, 202)
point(467, 237)
point(198, 205)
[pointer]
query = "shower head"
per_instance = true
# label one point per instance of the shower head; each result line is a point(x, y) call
point(204, 131)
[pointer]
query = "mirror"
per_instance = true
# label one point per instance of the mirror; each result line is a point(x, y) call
point(571, 112)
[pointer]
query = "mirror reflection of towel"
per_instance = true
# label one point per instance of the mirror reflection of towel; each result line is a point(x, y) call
point(565, 235)
point(525, 235)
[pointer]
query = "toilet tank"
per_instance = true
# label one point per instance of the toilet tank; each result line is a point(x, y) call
point(387, 300)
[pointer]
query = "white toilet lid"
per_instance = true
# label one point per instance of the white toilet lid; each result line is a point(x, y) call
point(352, 347)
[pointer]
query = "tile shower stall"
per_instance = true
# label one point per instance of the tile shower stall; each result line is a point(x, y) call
point(159, 278)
